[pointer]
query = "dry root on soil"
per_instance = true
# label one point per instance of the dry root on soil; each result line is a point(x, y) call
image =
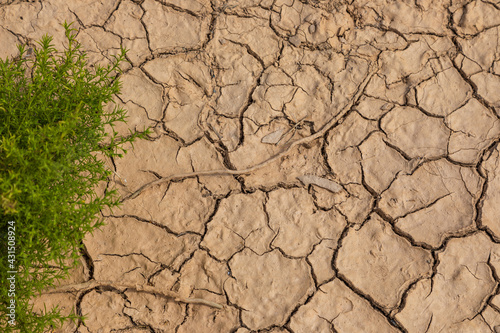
point(80, 287)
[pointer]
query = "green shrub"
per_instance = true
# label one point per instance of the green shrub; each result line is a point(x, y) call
point(52, 125)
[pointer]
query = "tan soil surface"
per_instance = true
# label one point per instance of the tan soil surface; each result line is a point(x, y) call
point(315, 166)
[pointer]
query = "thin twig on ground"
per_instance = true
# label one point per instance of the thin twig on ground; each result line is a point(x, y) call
point(80, 287)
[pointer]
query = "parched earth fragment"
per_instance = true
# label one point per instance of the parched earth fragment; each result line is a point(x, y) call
point(31, 20)
point(372, 108)
point(491, 317)
point(298, 161)
point(92, 12)
point(380, 263)
point(278, 330)
point(325, 199)
point(474, 128)
point(154, 311)
point(175, 69)
point(267, 287)
point(496, 67)
point(436, 201)
point(165, 280)
point(138, 88)
point(346, 82)
point(475, 17)
point(491, 209)
point(298, 224)
point(391, 93)
point(137, 119)
point(380, 162)
point(336, 77)
point(321, 260)
point(138, 50)
point(495, 301)
point(312, 100)
point(488, 86)
point(202, 272)
point(104, 311)
point(345, 164)
point(466, 65)
point(149, 157)
point(239, 222)
point(458, 292)
point(122, 236)
point(18, 18)
point(477, 325)
point(480, 50)
point(335, 305)
point(308, 24)
point(357, 204)
point(169, 207)
point(126, 21)
point(188, 85)
point(329, 62)
point(395, 65)
point(253, 151)
point(405, 17)
point(416, 134)
point(132, 268)
point(276, 90)
point(211, 320)
point(251, 32)
point(221, 129)
point(369, 39)
point(99, 44)
point(170, 30)
point(344, 157)
point(9, 40)
point(444, 93)
point(237, 77)
point(202, 156)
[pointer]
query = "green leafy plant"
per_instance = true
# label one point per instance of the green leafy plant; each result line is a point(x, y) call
point(53, 124)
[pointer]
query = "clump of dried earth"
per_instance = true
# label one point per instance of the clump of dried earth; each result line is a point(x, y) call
point(356, 157)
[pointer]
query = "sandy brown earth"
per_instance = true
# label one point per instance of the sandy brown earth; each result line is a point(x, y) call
point(316, 166)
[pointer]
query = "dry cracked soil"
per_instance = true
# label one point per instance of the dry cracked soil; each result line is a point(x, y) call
point(315, 166)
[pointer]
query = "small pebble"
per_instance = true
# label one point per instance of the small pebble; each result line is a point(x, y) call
point(295, 41)
point(312, 28)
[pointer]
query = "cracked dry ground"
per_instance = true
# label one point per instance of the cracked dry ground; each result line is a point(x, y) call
point(356, 157)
